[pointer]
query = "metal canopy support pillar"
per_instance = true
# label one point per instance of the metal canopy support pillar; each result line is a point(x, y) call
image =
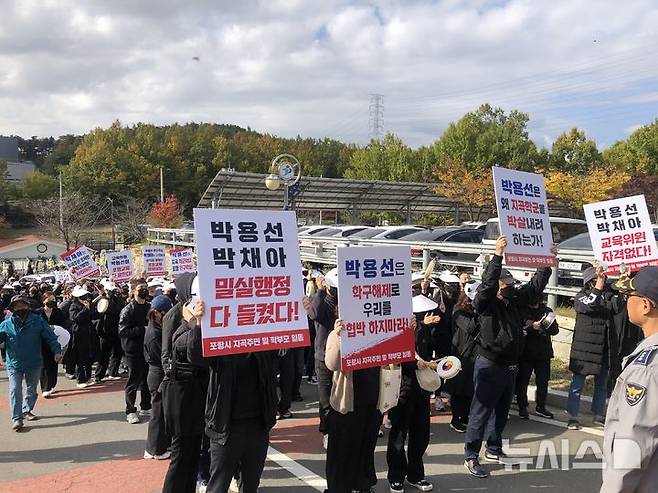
point(355, 212)
point(457, 214)
point(426, 258)
point(552, 282)
point(409, 213)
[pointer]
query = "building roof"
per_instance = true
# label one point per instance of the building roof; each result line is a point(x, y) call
point(16, 243)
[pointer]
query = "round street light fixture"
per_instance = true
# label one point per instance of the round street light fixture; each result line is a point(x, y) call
point(272, 182)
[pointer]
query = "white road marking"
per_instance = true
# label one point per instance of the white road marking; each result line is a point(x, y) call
point(297, 470)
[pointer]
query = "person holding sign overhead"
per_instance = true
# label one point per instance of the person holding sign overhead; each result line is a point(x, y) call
point(499, 306)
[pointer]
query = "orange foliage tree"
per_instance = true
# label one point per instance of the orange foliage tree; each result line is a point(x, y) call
point(166, 214)
point(472, 189)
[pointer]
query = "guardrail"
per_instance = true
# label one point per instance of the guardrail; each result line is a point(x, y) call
point(322, 250)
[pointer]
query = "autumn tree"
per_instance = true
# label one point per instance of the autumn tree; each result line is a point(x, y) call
point(574, 190)
point(472, 189)
point(166, 214)
point(646, 185)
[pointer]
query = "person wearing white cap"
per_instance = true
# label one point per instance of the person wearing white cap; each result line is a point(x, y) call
point(111, 353)
point(411, 417)
point(323, 310)
point(81, 313)
point(464, 343)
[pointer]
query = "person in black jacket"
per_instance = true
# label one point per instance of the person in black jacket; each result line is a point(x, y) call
point(411, 416)
point(81, 313)
point(110, 353)
point(241, 410)
point(132, 325)
point(323, 310)
point(53, 316)
point(183, 394)
point(591, 345)
point(498, 305)
point(464, 343)
point(157, 440)
point(539, 326)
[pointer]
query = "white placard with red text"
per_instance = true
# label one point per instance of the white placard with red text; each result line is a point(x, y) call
point(80, 262)
point(182, 260)
point(374, 303)
point(523, 218)
point(250, 279)
point(155, 261)
point(120, 266)
point(621, 233)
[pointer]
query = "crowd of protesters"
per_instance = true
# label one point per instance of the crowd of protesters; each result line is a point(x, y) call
point(211, 417)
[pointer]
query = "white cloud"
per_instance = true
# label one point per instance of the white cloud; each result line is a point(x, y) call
point(307, 67)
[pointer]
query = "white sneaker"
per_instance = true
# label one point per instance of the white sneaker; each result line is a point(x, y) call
point(325, 441)
point(201, 486)
point(234, 486)
point(164, 456)
point(132, 418)
point(82, 385)
point(46, 393)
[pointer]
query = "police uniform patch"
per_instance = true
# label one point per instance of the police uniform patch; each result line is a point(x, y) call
point(634, 393)
point(644, 357)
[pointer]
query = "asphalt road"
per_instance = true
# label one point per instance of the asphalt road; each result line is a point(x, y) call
point(81, 443)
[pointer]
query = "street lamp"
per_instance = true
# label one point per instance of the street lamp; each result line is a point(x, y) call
point(285, 168)
point(114, 239)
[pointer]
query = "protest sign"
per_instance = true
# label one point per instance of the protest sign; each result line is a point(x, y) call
point(80, 262)
point(523, 218)
point(155, 261)
point(182, 260)
point(120, 266)
point(374, 303)
point(621, 233)
point(251, 281)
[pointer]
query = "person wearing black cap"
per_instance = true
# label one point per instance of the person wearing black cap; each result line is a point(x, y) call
point(157, 440)
point(498, 305)
point(22, 334)
point(132, 326)
point(630, 444)
point(591, 345)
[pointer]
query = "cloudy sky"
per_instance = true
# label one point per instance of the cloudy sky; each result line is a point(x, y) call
point(306, 67)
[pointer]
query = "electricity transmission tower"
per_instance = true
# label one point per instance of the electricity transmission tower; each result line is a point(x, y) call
point(376, 109)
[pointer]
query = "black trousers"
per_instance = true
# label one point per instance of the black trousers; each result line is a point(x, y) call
point(48, 372)
point(412, 419)
point(137, 373)
point(351, 450)
point(460, 406)
point(542, 369)
point(246, 449)
point(203, 473)
point(494, 389)
point(298, 370)
point(157, 439)
point(309, 352)
point(181, 475)
point(325, 376)
point(109, 358)
point(286, 369)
